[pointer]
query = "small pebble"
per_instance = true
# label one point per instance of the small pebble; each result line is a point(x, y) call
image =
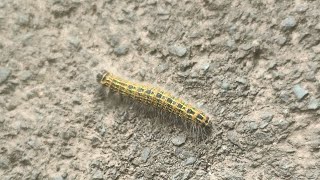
point(2, 4)
point(4, 74)
point(76, 100)
point(316, 49)
point(4, 163)
point(281, 40)
point(287, 149)
point(69, 133)
point(74, 41)
point(315, 144)
point(121, 50)
point(151, 2)
point(281, 123)
point(241, 80)
point(231, 44)
point(177, 175)
point(1, 121)
point(113, 40)
point(161, 68)
point(27, 39)
point(314, 104)
point(284, 96)
point(145, 154)
point(205, 67)
point(233, 137)
point(67, 153)
point(16, 155)
point(288, 23)
point(178, 50)
point(253, 126)
point(267, 116)
point(185, 65)
point(179, 140)
point(263, 138)
point(136, 162)
point(225, 85)
point(95, 141)
point(162, 11)
point(98, 175)
point(11, 105)
point(263, 124)
point(300, 8)
point(101, 129)
point(299, 91)
point(35, 174)
point(246, 47)
point(142, 74)
point(56, 177)
point(228, 124)
point(310, 76)
point(241, 54)
point(23, 20)
point(190, 161)
point(25, 75)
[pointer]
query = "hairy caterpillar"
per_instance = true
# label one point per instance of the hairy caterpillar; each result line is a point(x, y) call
point(154, 97)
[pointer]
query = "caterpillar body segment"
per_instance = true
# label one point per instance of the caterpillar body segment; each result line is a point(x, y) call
point(154, 97)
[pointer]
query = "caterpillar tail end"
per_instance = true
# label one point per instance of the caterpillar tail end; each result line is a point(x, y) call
point(101, 75)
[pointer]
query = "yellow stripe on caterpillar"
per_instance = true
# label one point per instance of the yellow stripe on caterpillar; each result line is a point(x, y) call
point(154, 97)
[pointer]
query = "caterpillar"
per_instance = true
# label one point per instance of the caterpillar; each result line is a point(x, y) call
point(154, 97)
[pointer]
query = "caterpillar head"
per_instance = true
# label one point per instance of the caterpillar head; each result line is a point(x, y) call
point(101, 75)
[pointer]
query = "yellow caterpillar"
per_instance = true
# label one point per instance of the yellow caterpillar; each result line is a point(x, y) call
point(154, 97)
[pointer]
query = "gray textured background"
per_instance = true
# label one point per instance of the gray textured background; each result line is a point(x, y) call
point(252, 65)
